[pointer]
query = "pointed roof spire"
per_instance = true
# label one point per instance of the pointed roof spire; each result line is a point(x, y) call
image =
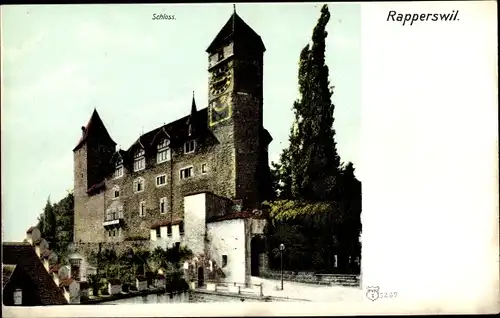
point(94, 126)
point(236, 30)
point(193, 106)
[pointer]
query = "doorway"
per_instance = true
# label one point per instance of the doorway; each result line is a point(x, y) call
point(201, 277)
point(256, 249)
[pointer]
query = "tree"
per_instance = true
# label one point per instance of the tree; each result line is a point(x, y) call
point(315, 197)
point(49, 222)
point(311, 158)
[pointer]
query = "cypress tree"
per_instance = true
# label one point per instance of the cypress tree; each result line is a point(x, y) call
point(314, 160)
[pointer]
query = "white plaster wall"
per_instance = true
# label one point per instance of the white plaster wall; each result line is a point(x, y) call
point(228, 238)
point(164, 241)
point(176, 236)
point(74, 293)
point(257, 226)
point(194, 222)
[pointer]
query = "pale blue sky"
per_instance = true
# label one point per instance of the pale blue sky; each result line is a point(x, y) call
point(59, 62)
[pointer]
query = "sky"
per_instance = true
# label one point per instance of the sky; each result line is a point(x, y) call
point(59, 62)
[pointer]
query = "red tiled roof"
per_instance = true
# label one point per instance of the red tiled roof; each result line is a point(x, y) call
point(66, 282)
point(166, 223)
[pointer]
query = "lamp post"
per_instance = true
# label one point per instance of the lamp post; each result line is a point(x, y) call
point(282, 249)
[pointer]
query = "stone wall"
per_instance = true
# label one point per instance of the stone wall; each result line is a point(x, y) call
point(313, 278)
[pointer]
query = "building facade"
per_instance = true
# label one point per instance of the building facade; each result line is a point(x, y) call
point(220, 149)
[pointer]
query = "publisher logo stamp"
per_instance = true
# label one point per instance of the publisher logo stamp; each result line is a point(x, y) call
point(373, 293)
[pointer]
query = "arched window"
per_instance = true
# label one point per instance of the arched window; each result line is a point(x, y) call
point(139, 160)
point(163, 153)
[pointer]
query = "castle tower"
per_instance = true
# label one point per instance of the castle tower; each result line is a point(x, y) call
point(235, 109)
point(91, 158)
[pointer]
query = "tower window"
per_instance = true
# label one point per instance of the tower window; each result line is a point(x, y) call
point(163, 153)
point(163, 205)
point(161, 180)
point(220, 55)
point(224, 260)
point(116, 192)
point(139, 185)
point(142, 209)
point(139, 160)
point(204, 168)
point(189, 146)
point(186, 173)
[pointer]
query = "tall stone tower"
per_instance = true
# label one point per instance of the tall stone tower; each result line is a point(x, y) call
point(235, 110)
point(91, 158)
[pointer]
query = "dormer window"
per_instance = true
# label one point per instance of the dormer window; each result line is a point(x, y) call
point(118, 169)
point(189, 146)
point(163, 153)
point(139, 160)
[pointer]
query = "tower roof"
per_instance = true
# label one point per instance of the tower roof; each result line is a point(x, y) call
point(236, 30)
point(95, 125)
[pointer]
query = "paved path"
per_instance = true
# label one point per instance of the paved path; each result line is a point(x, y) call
point(317, 293)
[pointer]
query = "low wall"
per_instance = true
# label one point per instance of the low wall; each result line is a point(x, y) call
point(84, 249)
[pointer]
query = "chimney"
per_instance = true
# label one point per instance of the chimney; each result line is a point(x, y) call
point(83, 131)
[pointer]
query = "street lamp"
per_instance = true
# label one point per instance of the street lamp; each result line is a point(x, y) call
point(282, 249)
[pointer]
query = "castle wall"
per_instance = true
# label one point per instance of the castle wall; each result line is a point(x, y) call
point(228, 238)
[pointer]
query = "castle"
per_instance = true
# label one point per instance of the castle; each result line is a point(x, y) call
point(210, 166)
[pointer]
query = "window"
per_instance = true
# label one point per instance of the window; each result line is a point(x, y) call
point(139, 185)
point(163, 153)
point(142, 209)
point(220, 55)
point(109, 233)
point(118, 171)
point(169, 230)
point(204, 168)
point(139, 160)
point(116, 192)
point(158, 232)
point(189, 146)
point(163, 205)
point(18, 297)
point(114, 232)
point(161, 180)
point(224, 260)
point(181, 228)
point(186, 173)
